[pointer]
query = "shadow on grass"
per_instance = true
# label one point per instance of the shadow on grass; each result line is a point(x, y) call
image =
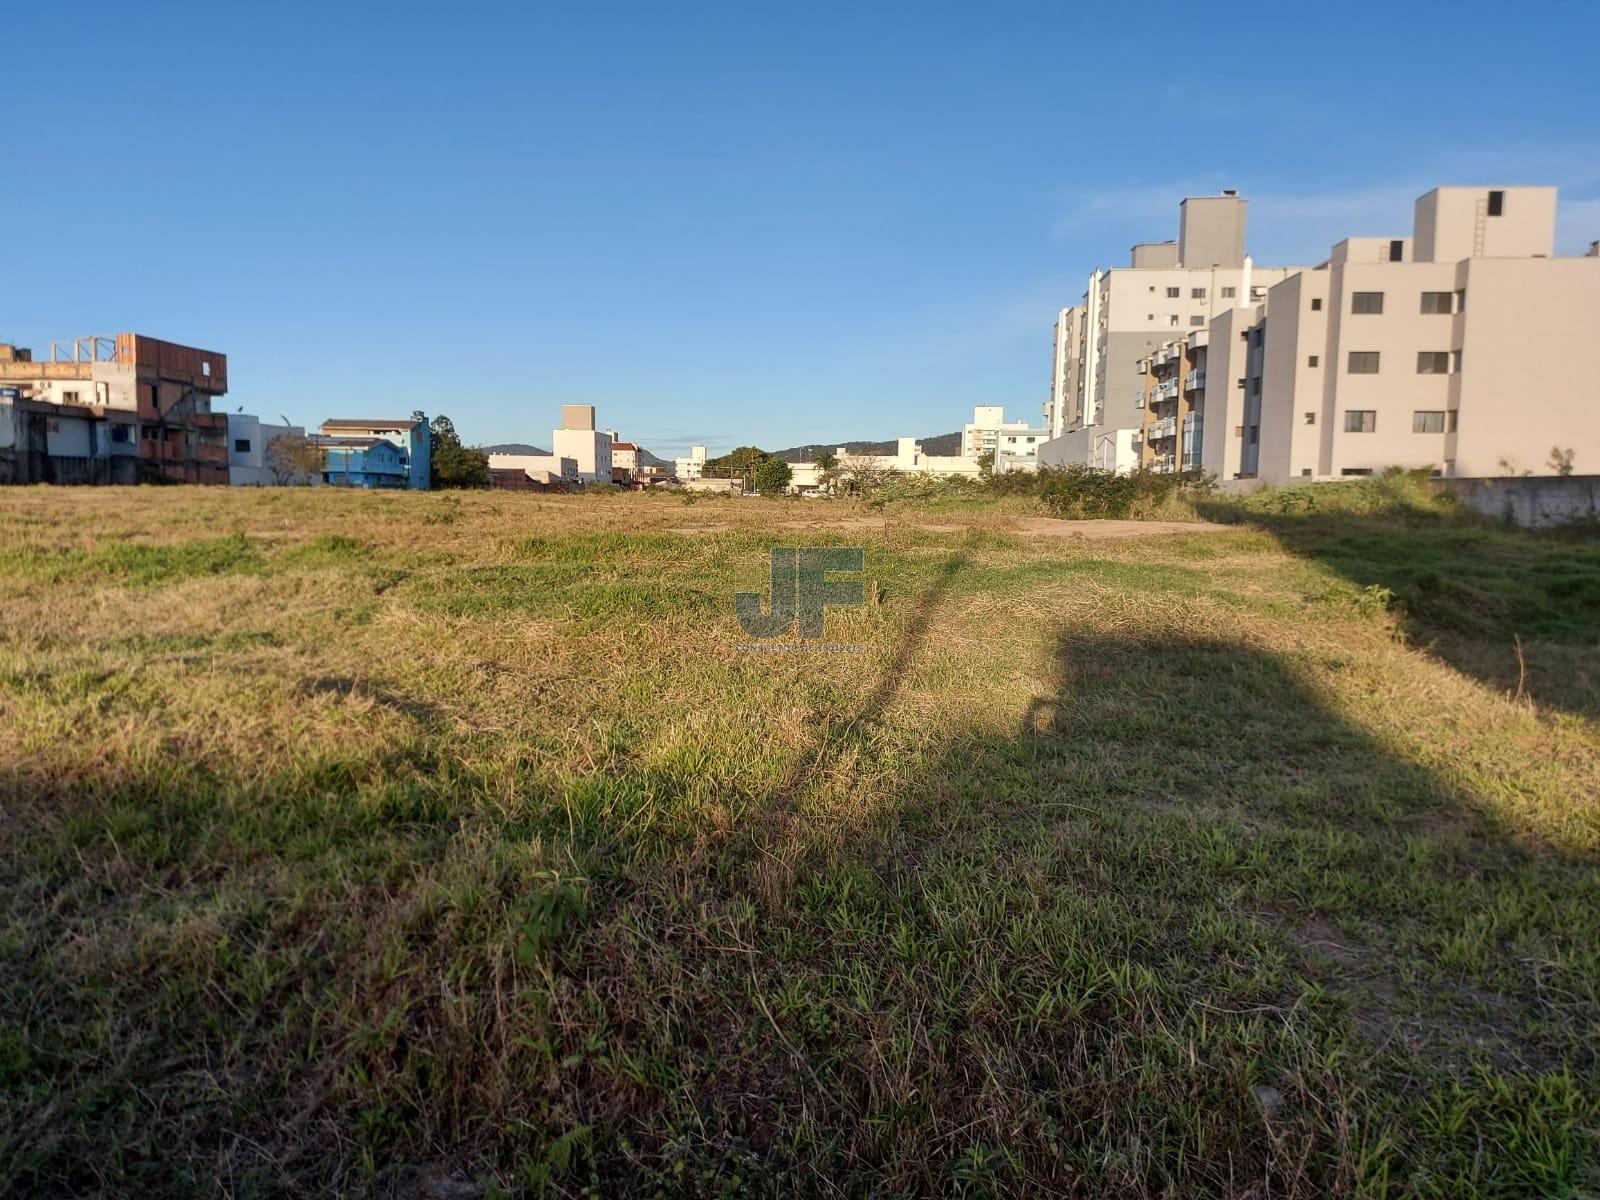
point(1182, 932)
point(1517, 609)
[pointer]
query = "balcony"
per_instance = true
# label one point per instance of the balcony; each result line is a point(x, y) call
point(1165, 428)
point(1194, 381)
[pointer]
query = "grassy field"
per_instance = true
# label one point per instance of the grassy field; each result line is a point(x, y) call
point(420, 844)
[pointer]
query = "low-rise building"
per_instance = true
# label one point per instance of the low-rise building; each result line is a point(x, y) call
point(348, 440)
point(1018, 449)
point(549, 471)
point(250, 460)
point(363, 462)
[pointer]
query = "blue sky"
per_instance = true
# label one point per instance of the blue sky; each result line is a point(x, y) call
point(727, 223)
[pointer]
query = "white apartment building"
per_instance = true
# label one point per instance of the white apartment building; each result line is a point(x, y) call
point(1449, 350)
point(981, 434)
point(1018, 449)
point(1095, 414)
point(580, 441)
point(691, 467)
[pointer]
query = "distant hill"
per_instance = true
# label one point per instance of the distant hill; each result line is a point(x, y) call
point(939, 446)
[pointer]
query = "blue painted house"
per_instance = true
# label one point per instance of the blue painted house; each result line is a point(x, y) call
point(365, 462)
point(352, 442)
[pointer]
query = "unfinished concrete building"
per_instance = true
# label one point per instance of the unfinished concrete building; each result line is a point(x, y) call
point(117, 409)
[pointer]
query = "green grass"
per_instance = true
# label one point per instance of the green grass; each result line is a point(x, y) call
point(378, 840)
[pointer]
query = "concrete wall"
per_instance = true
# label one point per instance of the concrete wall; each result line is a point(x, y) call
point(1523, 389)
point(1533, 501)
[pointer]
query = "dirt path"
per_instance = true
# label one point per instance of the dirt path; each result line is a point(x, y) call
point(1051, 527)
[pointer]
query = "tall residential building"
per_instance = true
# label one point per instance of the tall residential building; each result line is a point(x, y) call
point(1449, 349)
point(1169, 289)
point(1174, 397)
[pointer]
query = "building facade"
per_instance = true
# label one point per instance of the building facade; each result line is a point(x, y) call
point(114, 409)
point(691, 466)
point(250, 462)
point(348, 440)
point(1097, 408)
point(1442, 350)
point(981, 435)
point(579, 440)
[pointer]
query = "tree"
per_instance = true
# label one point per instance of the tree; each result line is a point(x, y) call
point(452, 464)
point(772, 477)
point(294, 458)
point(826, 461)
point(986, 464)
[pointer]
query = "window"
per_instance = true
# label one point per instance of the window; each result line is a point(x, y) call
point(1360, 420)
point(1172, 293)
point(1173, 320)
point(69, 397)
point(1366, 303)
point(1433, 362)
point(205, 369)
point(1305, 470)
point(241, 445)
point(1437, 302)
point(1356, 471)
point(1450, 420)
point(1313, 360)
point(1311, 418)
point(1316, 304)
point(1397, 250)
point(1197, 320)
point(119, 433)
point(1238, 431)
point(1229, 293)
point(1427, 421)
point(1197, 293)
point(1241, 383)
point(1363, 362)
point(1255, 435)
point(1255, 386)
point(1258, 293)
point(1497, 204)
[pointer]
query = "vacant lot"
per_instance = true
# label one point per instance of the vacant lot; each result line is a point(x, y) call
point(422, 844)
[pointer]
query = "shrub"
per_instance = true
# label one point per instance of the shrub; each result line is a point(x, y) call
point(1079, 492)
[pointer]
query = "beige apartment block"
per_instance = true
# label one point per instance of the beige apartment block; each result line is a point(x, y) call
point(1389, 355)
point(1169, 291)
point(1175, 382)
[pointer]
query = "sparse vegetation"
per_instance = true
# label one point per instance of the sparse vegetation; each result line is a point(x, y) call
point(360, 840)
